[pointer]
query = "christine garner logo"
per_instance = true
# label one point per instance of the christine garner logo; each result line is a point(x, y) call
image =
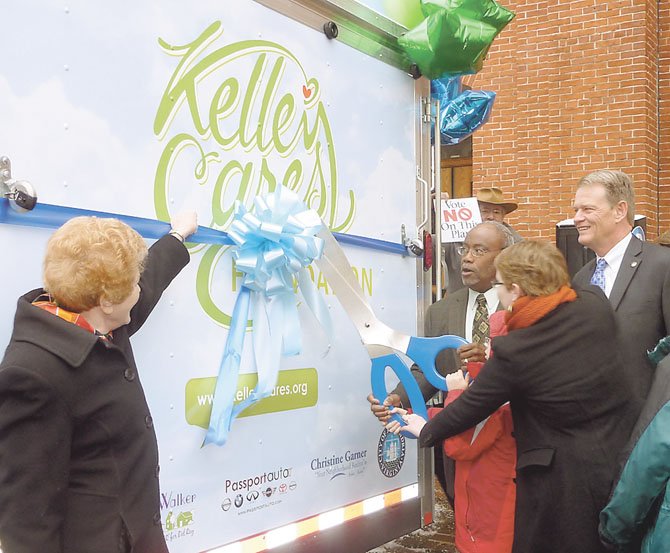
point(390, 453)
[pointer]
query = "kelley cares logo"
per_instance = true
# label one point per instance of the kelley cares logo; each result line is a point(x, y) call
point(239, 118)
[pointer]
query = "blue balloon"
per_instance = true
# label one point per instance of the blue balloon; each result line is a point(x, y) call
point(465, 114)
point(445, 89)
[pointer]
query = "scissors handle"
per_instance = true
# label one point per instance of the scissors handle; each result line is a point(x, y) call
point(377, 378)
point(424, 352)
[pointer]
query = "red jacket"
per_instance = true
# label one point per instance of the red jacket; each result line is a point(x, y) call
point(485, 491)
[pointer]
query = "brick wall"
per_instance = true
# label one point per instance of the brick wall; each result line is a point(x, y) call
point(577, 90)
point(663, 200)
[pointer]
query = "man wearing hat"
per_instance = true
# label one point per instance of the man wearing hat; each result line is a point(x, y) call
point(492, 207)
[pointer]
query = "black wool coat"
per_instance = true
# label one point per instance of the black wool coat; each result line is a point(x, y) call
point(78, 452)
point(573, 410)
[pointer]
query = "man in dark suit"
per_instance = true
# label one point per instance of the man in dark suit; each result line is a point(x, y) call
point(456, 314)
point(633, 274)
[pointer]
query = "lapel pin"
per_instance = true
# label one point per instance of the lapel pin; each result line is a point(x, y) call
point(633, 264)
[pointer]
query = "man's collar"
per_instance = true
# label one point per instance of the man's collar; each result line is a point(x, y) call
point(491, 296)
point(617, 251)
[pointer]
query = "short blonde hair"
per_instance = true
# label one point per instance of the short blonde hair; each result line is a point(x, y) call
point(538, 267)
point(618, 188)
point(90, 259)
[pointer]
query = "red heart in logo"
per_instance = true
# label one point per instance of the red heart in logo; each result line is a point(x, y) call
point(306, 92)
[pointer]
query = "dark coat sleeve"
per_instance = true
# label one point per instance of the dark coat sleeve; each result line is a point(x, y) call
point(167, 257)
point(493, 387)
point(35, 442)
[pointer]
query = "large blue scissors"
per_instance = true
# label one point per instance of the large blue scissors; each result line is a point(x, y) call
point(381, 341)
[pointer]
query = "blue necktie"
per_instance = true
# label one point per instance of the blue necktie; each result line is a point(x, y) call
point(598, 277)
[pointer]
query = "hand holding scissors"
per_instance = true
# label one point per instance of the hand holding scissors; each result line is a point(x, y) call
point(381, 341)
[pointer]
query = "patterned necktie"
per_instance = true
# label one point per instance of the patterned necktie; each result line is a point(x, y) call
point(598, 277)
point(480, 326)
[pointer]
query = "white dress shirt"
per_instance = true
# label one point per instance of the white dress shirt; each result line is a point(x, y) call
point(614, 257)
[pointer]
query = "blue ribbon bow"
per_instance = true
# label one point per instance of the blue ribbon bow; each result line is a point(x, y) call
point(275, 243)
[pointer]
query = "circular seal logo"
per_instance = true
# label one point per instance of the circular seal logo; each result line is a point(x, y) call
point(390, 453)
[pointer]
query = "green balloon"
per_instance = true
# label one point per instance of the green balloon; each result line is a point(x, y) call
point(486, 11)
point(455, 37)
point(406, 12)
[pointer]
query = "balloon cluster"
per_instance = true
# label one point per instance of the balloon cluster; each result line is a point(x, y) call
point(453, 36)
point(461, 113)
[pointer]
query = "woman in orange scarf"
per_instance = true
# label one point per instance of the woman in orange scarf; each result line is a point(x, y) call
point(561, 370)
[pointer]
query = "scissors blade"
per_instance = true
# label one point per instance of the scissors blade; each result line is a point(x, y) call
point(335, 266)
point(334, 256)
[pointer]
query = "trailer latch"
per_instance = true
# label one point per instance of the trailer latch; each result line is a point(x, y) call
point(414, 247)
point(20, 193)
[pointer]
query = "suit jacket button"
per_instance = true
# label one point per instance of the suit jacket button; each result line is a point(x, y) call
point(157, 519)
point(148, 421)
point(129, 374)
point(158, 470)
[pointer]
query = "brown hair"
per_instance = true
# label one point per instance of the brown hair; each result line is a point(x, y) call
point(90, 259)
point(538, 267)
point(618, 187)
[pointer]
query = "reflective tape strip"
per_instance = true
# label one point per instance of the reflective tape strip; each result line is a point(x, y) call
point(322, 521)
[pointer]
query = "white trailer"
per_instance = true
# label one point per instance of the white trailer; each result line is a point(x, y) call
point(145, 108)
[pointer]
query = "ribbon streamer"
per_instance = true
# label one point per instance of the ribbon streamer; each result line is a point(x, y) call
point(275, 242)
point(51, 216)
point(54, 216)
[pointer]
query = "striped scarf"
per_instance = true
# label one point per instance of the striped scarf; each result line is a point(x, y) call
point(46, 303)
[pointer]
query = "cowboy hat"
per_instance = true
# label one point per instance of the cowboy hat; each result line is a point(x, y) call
point(495, 196)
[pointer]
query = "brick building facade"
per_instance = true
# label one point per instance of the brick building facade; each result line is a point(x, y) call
point(581, 85)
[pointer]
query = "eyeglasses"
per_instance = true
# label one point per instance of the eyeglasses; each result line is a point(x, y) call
point(495, 284)
point(476, 252)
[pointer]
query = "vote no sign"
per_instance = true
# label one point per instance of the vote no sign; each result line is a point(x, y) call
point(457, 217)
